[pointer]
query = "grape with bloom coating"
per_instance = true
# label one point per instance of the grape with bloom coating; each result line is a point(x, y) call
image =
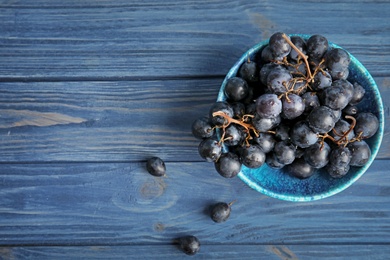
point(249, 71)
point(234, 135)
point(189, 244)
point(252, 156)
point(278, 79)
point(317, 155)
point(301, 169)
point(302, 135)
point(268, 106)
point(220, 212)
point(201, 128)
point(284, 152)
point(210, 149)
point(156, 166)
point(322, 119)
point(292, 106)
point(367, 124)
point(278, 45)
point(265, 124)
point(228, 165)
point(236, 89)
point(360, 153)
point(266, 142)
point(337, 171)
point(337, 60)
point(317, 45)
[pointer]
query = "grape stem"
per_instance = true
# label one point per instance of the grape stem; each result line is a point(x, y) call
point(231, 203)
point(304, 57)
point(343, 138)
point(229, 120)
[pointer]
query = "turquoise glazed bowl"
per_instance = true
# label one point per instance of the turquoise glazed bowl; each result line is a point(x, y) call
point(276, 183)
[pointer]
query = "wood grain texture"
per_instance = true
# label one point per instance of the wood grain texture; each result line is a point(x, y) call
point(120, 203)
point(267, 252)
point(111, 121)
point(90, 89)
point(52, 40)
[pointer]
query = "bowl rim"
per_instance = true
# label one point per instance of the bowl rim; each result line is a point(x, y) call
point(374, 151)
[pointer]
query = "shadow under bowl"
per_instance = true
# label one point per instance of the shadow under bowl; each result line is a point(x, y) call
point(280, 185)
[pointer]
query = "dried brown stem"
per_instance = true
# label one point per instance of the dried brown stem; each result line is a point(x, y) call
point(304, 57)
point(229, 120)
point(345, 135)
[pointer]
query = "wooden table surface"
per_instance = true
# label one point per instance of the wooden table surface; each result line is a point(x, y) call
point(90, 89)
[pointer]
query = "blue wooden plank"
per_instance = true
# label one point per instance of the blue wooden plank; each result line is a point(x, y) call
point(51, 40)
point(111, 121)
point(268, 252)
point(121, 204)
point(123, 82)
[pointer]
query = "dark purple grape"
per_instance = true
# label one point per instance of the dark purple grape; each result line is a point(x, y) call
point(321, 81)
point(252, 156)
point(360, 153)
point(189, 244)
point(317, 155)
point(268, 106)
point(300, 44)
point(321, 119)
point(265, 124)
point(201, 128)
point(266, 142)
point(284, 152)
point(300, 169)
point(220, 212)
point(236, 89)
point(340, 128)
point(311, 101)
point(337, 60)
point(234, 135)
point(272, 162)
point(358, 94)
point(278, 45)
point(338, 95)
point(340, 156)
point(282, 132)
point(265, 70)
point(249, 71)
point(228, 165)
point(267, 56)
point(316, 46)
point(337, 171)
point(367, 124)
point(210, 149)
point(346, 85)
point(222, 106)
point(292, 106)
point(278, 80)
point(156, 166)
point(302, 135)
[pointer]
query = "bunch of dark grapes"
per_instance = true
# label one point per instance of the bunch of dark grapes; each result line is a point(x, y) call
point(292, 107)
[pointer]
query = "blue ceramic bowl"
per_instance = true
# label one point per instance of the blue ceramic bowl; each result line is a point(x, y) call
point(276, 183)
